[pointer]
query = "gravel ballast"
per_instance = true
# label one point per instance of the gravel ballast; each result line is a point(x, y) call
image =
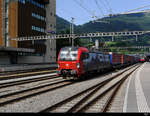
point(40, 102)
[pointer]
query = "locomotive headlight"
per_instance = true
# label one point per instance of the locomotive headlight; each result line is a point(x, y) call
point(78, 65)
point(58, 65)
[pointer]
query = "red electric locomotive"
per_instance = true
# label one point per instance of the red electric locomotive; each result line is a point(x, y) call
point(78, 62)
point(142, 60)
point(70, 64)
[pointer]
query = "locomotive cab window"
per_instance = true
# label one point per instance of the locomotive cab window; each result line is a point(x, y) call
point(68, 54)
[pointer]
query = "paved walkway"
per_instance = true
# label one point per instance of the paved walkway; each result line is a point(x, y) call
point(137, 97)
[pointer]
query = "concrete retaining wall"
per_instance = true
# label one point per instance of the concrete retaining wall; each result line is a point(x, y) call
point(4, 60)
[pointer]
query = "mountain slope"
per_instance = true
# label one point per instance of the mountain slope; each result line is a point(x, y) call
point(129, 22)
point(61, 24)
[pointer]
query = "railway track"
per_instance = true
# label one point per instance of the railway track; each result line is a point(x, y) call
point(26, 81)
point(26, 93)
point(25, 74)
point(25, 71)
point(97, 98)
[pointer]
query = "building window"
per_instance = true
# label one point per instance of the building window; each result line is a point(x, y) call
point(36, 3)
point(37, 16)
point(38, 29)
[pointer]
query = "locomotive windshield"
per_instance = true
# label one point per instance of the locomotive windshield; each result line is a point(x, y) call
point(68, 54)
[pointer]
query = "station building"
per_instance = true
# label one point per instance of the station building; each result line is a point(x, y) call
point(26, 18)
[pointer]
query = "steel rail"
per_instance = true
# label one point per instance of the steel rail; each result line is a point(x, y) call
point(24, 71)
point(20, 95)
point(109, 101)
point(21, 75)
point(20, 82)
point(92, 89)
point(85, 107)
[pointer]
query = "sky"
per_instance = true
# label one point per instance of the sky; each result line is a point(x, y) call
point(83, 10)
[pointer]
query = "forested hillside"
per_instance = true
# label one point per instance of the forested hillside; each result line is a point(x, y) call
point(128, 22)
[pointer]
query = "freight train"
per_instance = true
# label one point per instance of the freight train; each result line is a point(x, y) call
point(78, 62)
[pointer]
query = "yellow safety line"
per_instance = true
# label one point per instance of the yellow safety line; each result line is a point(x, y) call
point(23, 74)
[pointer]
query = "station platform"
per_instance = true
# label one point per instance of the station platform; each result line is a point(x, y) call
point(137, 98)
point(23, 67)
